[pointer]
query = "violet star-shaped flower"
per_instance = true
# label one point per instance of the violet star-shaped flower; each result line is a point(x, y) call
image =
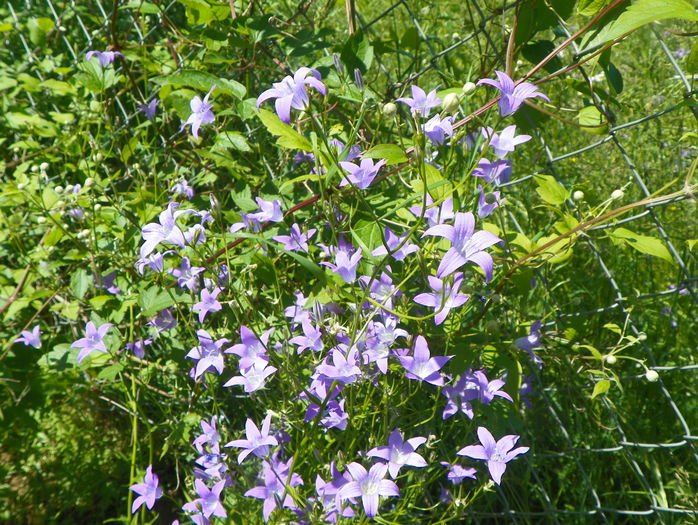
point(208, 303)
point(311, 338)
point(296, 240)
point(277, 478)
point(149, 109)
point(488, 390)
point(252, 349)
point(420, 102)
point(209, 499)
point(257, 442)
point(435, 214)
point(369, 486)
point(291, 92)
point(138, 347)
point(209, 436)
point(488, 202)
point(512, 95)
point(93, 340)
point(208, 355)
point(32, 338)
point(344, 366)
point(187, 275)
point(200, 113)
point(393, 241)
point(531, 342)
point(148, 491)
point(362, 175)
point(399, 453)
point(381, 290)
point(163, 321)
point(466, 245)
point(166, 231)
point(497, 172)
point(381, 337)
point(444, 296)
point(496, 453)
point(154, 261)
point(457, 473)
point(346, 262)
point(182, 188)
point(252, 378)
point(105, 57)
point(328, 494)
point(506, 141)
point(437, 129)
point(460, 394)
point(421, 366)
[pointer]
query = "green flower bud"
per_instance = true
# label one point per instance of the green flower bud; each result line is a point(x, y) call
point(389, 109)
point(450, 103)
point(468, 88)
point(652, 376)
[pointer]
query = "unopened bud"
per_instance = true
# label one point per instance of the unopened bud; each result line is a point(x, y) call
point(617, 194)
point(68, 188)
point(43, 166)
point(338, 64)
point(21, 186)
point(450, 103)
point(34, 168)
point(389, 109)
point(89, 181)
point(610, 359)
point(41, 220)
point(578, 195)
point(652, 376)
point(455, 37)
point(95, 106)
point(58, 189)
point(642, 336)
point(98, 207)
point(359, 79)
point(468, 88)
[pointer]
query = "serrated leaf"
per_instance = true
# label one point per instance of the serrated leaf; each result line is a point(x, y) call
point(110, 372)
point(390, 152)
point(642, 243)
point(288, 137)
point(550, 190)
point(80, 283)
point(600, 388)
point(154, 299)
point(643, 12)
point(201, 80)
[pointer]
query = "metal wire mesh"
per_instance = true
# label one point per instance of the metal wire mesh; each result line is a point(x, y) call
point(623, 444)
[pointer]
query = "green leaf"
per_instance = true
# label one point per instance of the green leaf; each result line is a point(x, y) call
point(642, 243)
point(231, 140)
point(201, 80)
point(308, 265)
point(288, 137)
point(692, 61)
point(692, 243)
point(53, 237)
point(600, 388)
point(592, 120)
point(390, 152)
point(110, 372)
point(537, 51)
point(80, 282)
point(591, 7)
point(357, 53)
point(550, 190)
point(154, 299)
point(644, 12)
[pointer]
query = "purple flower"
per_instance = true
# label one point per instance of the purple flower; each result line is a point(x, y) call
point(92, 342)
point(208, 355)
point(328, 492)
point(505, 142)
point(268, 211)
point(457, 473)
point(420, 102)
point(200, 113)
point(182, 188)
point(154, 261)
point(32, 338)
point(296, 240)
point(149, 108)
point(311, 338)
point(209, 435)
point(344, 367)
point(257, 442)
point(252, 349)
point(277, 479)
point(381, 337)
point(444, 296)
point(460, 394)
point(291, 92)
point(526, 389)
point(208, 303)
point(252, 378)
point(209, 499)
point(488, 202)
point(164, 320)
point(399, 453)
point(346, 262)
point(488, 390)
point(214, 467)
point(681, 52)
point(105, 57)
point(437, 129)
point(496, 453)
point(148, 491)
point(166, 231)
point(106, 282)
point(392, 241)
point(369, 486)
point(187, 275)
point(530, 342)
point(362, 175)
point(138, 348)
point(421, 366)
point(512, 96)
point(435, 214)
point(497, 172)
point(382, 289)
point(466, 245)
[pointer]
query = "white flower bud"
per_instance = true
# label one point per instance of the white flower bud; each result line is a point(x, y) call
point(69, 188)
point(43, 166)
point(98, 206)
point(610, 359)
point(21, 186)
point(89, 181)
point(455, 37)
point(136, 166)
point(98, 157)
point(642, 336)
point(468, 88)
point(389, 109)
point(34, 168)
point(41, 220)
point(59, 204)
point(450, 103)
point(652, 376)
point(58, 189)
point(617, 194)
point(578, 195)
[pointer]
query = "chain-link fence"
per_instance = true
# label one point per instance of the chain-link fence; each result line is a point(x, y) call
point(641, 463)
